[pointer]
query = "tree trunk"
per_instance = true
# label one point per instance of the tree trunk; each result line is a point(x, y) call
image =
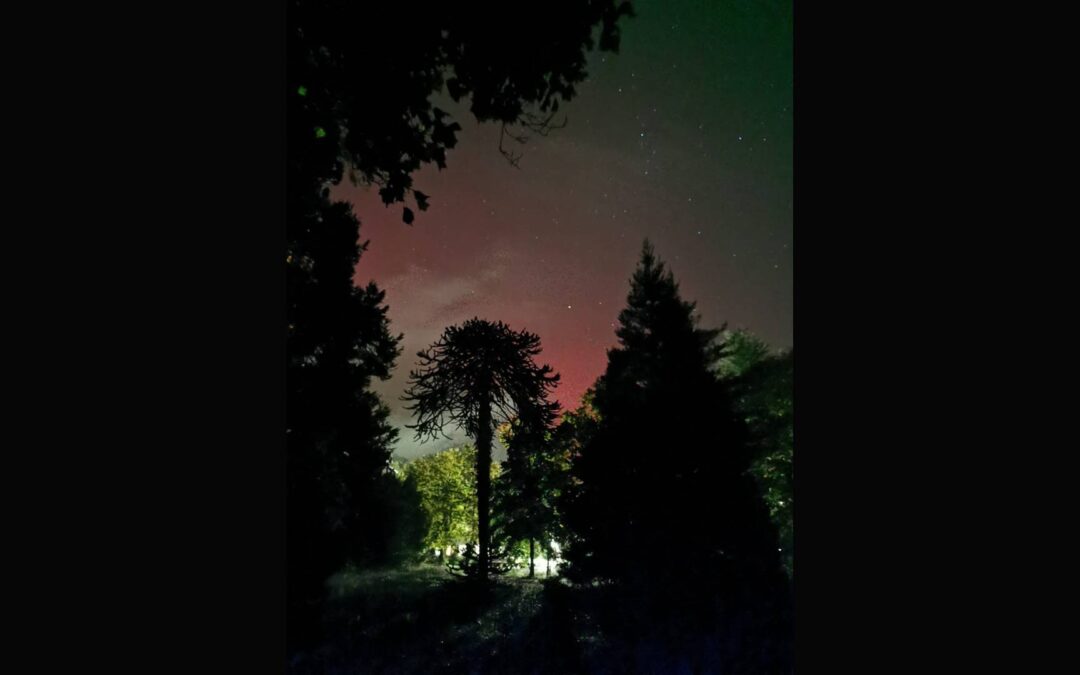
point(483, 484)
point(532, 557)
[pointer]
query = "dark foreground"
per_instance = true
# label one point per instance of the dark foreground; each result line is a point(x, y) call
point(422, 620)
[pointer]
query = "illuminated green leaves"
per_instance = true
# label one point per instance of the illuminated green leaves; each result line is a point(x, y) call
point(302, 90)
point(320, 132)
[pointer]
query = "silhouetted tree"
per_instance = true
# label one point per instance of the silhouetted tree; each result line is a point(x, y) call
point(532, 480)
point(397, 519)
point(663, 502)
point(474, 377)
point(763, 383)
point(576, 430)
point(338, 437)
point(361, 77)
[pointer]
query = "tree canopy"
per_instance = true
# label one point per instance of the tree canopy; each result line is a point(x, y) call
point(662, 485)
point(446, 483)
point(361, 79)
point(476, 376)
point(763, 382)
point(533, 478)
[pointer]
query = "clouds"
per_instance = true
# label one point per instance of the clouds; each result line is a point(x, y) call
point(550, 247)
point(422, 304)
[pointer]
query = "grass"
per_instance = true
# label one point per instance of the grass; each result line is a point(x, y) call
point(420, 619)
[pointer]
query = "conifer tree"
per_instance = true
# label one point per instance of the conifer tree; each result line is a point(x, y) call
point(663, 497)
point(477, 376)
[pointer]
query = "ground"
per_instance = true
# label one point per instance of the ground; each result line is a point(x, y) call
point(419, 619)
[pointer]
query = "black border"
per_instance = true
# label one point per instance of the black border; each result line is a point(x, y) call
point(192, 454)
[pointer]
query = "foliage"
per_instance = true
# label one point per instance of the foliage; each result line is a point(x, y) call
point(338, 435)
point(397, 519)
point(361, 77)
point(764, 386)
point(475, 376)
point(533, 479)
point(446, 484)
point(478, 375)
point(662, 495)
point(500, 561)
point(742, 351)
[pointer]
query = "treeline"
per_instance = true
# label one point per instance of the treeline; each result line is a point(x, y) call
point(671, 485)
point(666, 436)
point(656, 461)
point(576, 472)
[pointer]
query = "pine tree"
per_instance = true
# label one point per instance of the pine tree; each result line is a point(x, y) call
point(663, 496)
point(763, 383)
point(534, 475)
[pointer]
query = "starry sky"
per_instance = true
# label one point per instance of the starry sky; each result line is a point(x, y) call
point(684, 137)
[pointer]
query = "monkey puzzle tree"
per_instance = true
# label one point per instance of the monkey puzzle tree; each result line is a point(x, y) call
point(476, 376)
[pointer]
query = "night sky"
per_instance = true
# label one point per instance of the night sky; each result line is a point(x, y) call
point(685, 137)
